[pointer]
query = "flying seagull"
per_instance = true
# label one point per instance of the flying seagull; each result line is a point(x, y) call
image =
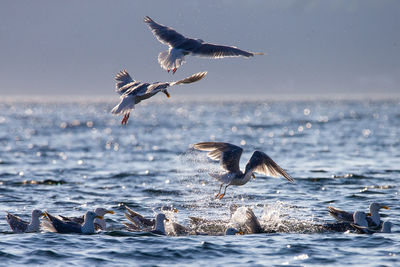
point(133, 92)
point(180, 46)
point(20, 226)
point(229, 157)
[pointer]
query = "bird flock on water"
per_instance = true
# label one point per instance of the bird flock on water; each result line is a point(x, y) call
point(242, 219)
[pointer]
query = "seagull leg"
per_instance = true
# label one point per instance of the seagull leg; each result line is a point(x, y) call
point(219, 192)
point(223, 194)
point(125, 119)
point(174, 70)
point(168, 71)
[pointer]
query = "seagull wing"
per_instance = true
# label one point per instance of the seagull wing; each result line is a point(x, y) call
point(262, 163)
point(194, 78)
point(227, 154)
point(124, 82)
point(16, 223)
point(220, 51)
point(63, 227)
point(341, 215)
point(164, 34)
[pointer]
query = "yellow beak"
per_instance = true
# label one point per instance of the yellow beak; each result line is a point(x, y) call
point(385, 207)
point(110, 211)
point(100, 217)
point(166, 93)
point(254, 177)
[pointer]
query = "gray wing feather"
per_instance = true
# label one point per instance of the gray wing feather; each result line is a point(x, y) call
point(16, 223)
point(341, 215)
point(262, 163)
point(63, 227)
point(228, 154)
point(194, 78)
point(123, 82)
point(220, 51)
point(164, 34)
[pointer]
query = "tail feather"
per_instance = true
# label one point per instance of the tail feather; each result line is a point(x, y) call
point(124, 106)
point(171, 59)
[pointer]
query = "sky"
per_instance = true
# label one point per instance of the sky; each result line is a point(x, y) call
point(55, 48)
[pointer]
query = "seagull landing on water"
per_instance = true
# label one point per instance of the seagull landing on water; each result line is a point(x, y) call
point(180, 46)
point(229, 157)
point(133, 92)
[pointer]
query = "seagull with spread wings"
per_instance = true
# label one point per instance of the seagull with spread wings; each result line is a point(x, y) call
point(133, 92)
point(180, 46)
point(229, 157)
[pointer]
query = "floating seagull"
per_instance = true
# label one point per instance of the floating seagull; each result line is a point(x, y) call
point(133, 92)
point(157, 227)
point(373, 219)
point(139, 223)
point(358, 224)
point(20, 226)
point(247, 221)
point(56, 225)
point(180, 46)
point(386, 228)
point(229, 157)
point(99, 224)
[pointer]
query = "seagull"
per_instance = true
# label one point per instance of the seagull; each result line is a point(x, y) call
point(57, 225)
point(373, 218)
point(133, 92)
point(247, 220)
point(20, 226)
point(386, 228)
point(99, 224)
point(180, 46)
point(229, 157)
point(139, 223)
point(358, 224)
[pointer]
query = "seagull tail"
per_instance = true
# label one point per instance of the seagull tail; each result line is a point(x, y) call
point(194, 78)
point(171, 59)
point(124, 106)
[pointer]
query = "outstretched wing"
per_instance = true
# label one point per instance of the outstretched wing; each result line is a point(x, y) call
point(164, 34)
point(220, 51)
point(194, 78)
point(124, 82)
point(262, 163)
point(227, 154)
point(16, 223)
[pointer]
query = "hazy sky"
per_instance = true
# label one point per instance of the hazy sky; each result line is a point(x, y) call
point(76, 47)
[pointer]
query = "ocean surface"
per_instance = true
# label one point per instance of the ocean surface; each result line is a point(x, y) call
point(70, 157)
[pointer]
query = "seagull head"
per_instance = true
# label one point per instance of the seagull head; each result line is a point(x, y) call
point(103, 211)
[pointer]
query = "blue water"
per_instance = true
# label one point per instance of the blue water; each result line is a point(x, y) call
point(67, 157)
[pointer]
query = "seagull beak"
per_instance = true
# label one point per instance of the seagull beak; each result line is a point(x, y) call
point(166, 219)
point(166, 93)
point(43, 215)
point(369, 214)
point(110, 211)
point(175, 210)
point(240, 233)
point(385, 207)
point(254, 177)
point(100, 217)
